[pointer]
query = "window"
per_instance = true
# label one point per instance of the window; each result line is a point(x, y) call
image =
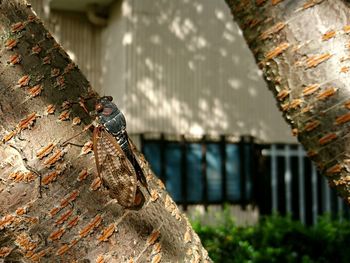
point(206, 171)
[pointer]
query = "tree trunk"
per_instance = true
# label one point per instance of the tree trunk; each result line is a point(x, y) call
point(52, 206)
point(302, 46)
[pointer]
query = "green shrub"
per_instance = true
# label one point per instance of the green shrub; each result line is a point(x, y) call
point(277, 239)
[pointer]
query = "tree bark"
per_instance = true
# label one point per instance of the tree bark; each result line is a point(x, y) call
point(302, 47)
point(53, 208)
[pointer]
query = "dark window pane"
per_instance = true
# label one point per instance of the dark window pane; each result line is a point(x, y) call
point(152, 154)
point(248, 169)
point(233, 178)
point(173, 171)
point(214, 177)
point(194, 176)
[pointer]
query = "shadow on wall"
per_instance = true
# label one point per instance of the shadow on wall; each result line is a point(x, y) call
point(183, 67)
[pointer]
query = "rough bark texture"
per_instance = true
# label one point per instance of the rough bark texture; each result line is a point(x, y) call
point(52, 206)
point(303, 48)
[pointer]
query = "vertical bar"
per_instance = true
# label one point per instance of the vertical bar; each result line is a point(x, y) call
point(327, 196)
point(301, 177)
point(183, 172)
point(223, 168)
point(242, 172)
point(162, 158)
point(340, 208)
point(274, 177)
point(204, 172)
point(288, 179)
point(314, 194)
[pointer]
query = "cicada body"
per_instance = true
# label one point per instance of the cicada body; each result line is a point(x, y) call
point(116, 164)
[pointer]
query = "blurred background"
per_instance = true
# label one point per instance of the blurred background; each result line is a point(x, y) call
point(197, 106)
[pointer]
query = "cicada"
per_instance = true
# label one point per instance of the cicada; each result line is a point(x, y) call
point(116, 163)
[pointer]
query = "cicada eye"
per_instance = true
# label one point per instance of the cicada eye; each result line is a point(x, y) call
point(110, 98)
point(99, 107)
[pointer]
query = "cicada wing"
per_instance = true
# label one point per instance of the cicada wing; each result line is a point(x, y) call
point(116, 171)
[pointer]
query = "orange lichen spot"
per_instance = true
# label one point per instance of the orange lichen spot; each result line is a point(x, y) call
point(50, 109)
point(153, 237)
point(17, 27)
point(283, 94)
point(106, 233)
point(63, 249)
point(328, 35)
point(347, 104)
point(306, 109)
point(21, 211)
point(308, 90)
point(36, 257)
point(91, 226)
point(100, 259)
point(74, 242)
point(47, 60)
point(27, 122)
point(11, 43)
point(327, 138)
point(20, 176)
point(276, 51)
point(24, 242)
point(43, 152)
point(346, 29)
point(157, 258)
point(311, 3)
point(54, 211)
point(36, 90)
point(56, 235)
point(51, 177)
point(55, 72)
point(342, 119)
point(31, 18)
point(83, 175)
point(272, 30)
point(54, 158)
point(60, 81)
point(73, 222)
point(76, 121)
point(295, 103)
point(315, 60)
point(156, 248)
point(6, 221)
point(9, 136)
point(275, 2)
point(344, 69)
point(64, 217)
point(260, 2)
point(70, 198)
point(14, 59)
point(23, 81)
point(96, 184)
point(335, 169)
point(69, 67)
point(5, 251)
point(87, 148)
point(36, 49)
point(66, 105)
point(64, 116)
point(326, 93)
point(310, 126)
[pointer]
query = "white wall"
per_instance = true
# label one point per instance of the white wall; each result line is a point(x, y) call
point(183, 67)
